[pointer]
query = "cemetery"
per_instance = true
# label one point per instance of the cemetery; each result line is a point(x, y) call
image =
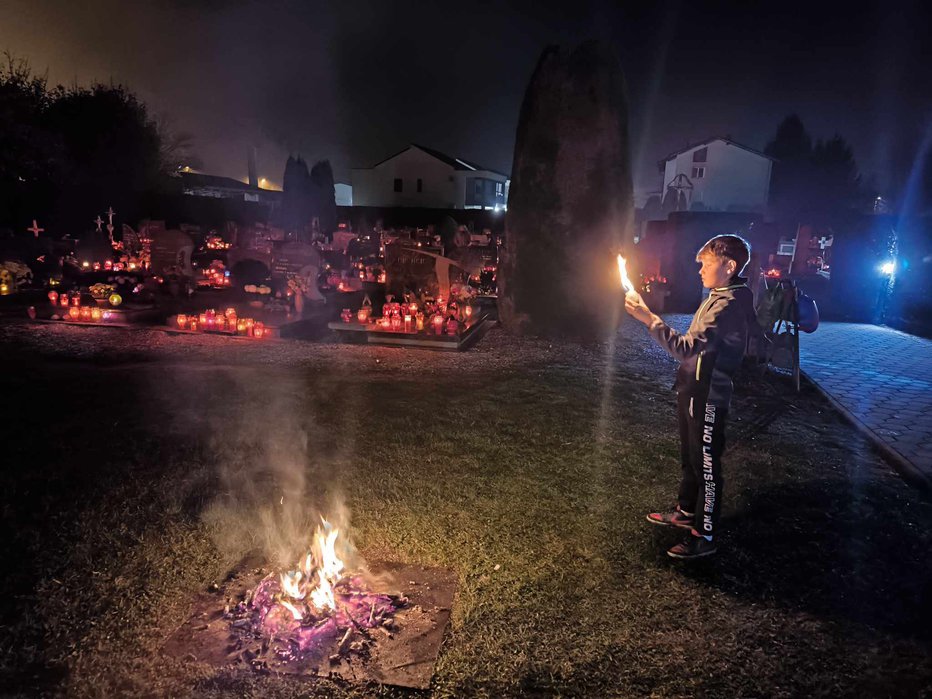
point(390, 286)
point(256, 443)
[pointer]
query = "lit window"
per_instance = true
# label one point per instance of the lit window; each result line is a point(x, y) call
point(698, 173)
point(399, 185)
point(499, 189)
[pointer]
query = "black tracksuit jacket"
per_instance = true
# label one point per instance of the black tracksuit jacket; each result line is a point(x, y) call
point(711, 350)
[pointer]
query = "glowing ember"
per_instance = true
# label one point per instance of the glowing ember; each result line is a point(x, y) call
point(625, 282)
point(303, 609)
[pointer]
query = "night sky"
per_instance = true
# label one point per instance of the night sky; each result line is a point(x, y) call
point(355, 82)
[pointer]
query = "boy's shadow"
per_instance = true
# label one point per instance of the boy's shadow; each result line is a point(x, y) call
point(849, 555)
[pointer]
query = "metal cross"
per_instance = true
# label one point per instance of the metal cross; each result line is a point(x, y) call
point(826, 241)
point(35, 230)
point(111, 213)
point(99, 221)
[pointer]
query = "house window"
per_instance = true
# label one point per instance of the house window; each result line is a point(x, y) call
point(420, 185)
point(399, 185)
point(698, 173)
point(699, 156)
point(499, 189)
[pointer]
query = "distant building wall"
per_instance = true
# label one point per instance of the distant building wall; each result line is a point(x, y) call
point(378, 186)
point(416, 178)
point(724, 176)
point(343, 194)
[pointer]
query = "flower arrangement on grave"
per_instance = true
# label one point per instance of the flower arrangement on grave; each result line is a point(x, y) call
point(13, 274)
point(216, 275)
point(215, 242)
point(101, 290)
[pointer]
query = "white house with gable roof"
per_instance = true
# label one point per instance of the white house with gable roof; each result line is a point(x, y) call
point(424, 177)
point(716, 175)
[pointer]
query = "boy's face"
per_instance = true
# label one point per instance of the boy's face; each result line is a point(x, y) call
point(716, 271)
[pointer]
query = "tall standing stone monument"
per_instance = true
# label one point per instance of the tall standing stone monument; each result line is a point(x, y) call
point(571, 201)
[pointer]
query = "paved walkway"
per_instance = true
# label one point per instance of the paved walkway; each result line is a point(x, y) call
point(882, 378)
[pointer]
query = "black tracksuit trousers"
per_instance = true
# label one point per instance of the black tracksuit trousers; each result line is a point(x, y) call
point(702, 442)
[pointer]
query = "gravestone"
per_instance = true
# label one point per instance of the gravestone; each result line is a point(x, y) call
point(298, 259)
point(571, 200)
point(171, 251)
point(413, 269)
point(93, 247)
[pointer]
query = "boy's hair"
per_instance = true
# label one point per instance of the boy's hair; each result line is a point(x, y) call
point(734, 247)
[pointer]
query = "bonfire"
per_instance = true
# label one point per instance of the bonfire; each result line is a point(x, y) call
point(292, 615)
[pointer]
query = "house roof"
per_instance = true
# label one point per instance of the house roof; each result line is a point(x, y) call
point(197, 179)
point(455, 163)
point(712, 140)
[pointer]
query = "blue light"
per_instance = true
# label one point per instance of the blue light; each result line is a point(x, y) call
point(888, 268)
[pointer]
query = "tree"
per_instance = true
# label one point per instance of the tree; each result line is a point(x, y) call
point(67, 154)
point(176, 148)
point(112, 151)
point(809, 182)
point(297, 205)
point(324, 197)
point(30, 155)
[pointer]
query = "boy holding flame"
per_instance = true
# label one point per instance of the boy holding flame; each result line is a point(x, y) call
point(709, 353)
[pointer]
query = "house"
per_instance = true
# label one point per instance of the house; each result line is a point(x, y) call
point(343, 194)
point(423, 177)
point(197, 184)
point(716, 175)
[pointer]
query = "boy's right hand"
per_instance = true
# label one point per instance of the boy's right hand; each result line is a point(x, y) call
point(636, 307)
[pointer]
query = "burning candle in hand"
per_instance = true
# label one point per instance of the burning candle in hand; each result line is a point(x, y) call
point(625, 282)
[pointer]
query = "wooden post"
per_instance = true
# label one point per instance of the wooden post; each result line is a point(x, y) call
point(754, 276)
point(794, 314)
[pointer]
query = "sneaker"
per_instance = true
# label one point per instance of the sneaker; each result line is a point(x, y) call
point(677, 518)
point(693, 546)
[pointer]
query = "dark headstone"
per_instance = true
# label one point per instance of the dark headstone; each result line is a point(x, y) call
point(299, 259)
point(171, 252)
point(571, 201)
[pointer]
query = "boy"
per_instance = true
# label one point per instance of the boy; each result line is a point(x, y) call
point(709, 353)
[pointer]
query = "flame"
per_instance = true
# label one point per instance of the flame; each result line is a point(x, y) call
point(625, 282)
point(321, 563)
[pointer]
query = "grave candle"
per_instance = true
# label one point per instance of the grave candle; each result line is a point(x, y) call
point(64, 299)
point(437, 320)
point(420, 321)
point(96, 314)
point(202, 319)
point(396, 323)
point(363, 315)
point(182, 320)
point(53, 297)
point(408, 322)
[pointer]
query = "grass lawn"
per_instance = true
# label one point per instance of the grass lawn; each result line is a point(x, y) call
point(138, 467)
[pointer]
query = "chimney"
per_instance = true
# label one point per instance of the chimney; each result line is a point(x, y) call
point(253, 177)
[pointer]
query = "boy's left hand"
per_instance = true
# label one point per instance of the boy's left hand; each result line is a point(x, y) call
point(636, 307)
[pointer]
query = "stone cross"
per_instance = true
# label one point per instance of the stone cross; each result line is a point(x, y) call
point(99, 221)
point(110, 213)
point(826, 241)
point(35, 230)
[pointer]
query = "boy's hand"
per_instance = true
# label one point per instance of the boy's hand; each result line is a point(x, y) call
point(636, 307)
